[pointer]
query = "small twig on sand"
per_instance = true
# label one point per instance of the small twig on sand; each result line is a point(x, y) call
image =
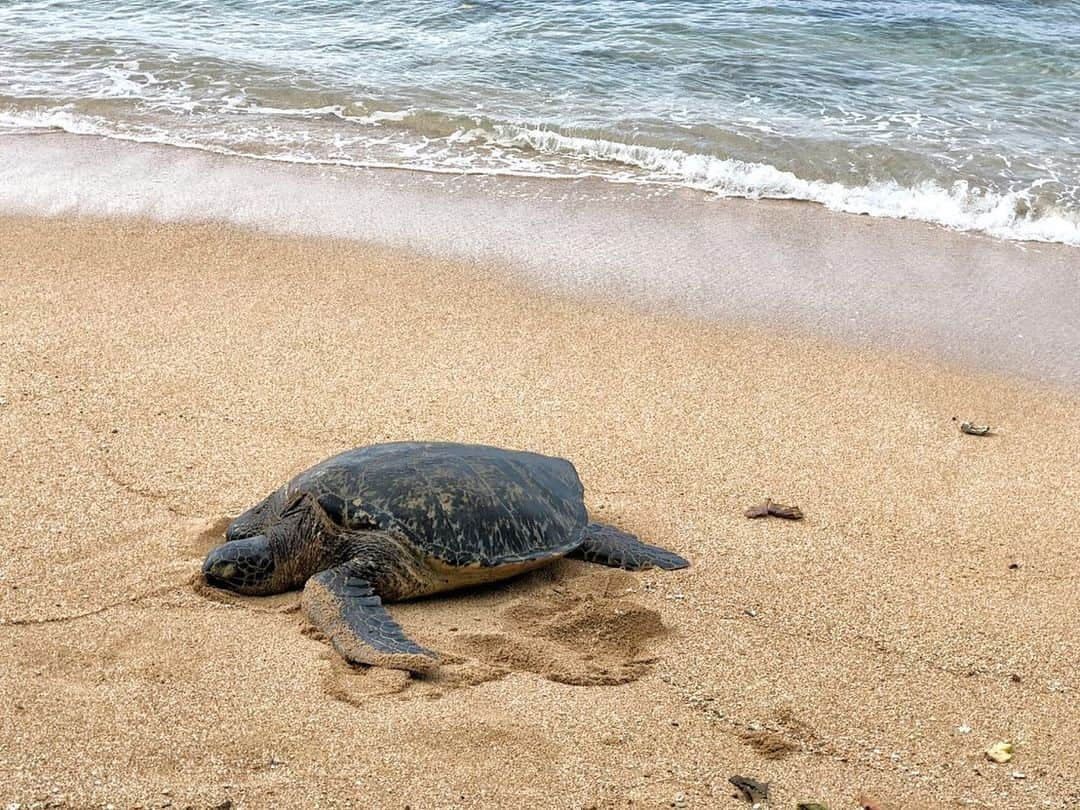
point(776, 509)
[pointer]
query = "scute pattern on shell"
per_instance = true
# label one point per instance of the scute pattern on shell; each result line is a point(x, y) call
point(463, 504)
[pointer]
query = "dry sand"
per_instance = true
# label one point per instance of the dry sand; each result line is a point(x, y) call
point(156, 379)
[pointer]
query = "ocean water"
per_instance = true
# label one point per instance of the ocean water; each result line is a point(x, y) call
point(961, 112)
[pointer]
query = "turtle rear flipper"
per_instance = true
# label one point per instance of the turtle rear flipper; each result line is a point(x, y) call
point(607, 545)
point(346, 608)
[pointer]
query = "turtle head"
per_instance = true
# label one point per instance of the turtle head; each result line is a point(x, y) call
point(245, 566)
point(256, 519)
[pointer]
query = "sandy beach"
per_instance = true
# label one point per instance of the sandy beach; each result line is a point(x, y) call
point(159, 378)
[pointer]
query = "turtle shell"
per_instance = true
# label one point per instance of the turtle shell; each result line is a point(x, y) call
point(463, 504)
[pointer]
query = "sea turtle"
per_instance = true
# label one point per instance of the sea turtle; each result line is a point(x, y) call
point(395, 521)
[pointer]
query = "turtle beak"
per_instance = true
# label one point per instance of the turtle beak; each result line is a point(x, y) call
point(218, 571)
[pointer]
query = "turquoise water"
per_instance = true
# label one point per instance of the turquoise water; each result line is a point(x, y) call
point(961, 113)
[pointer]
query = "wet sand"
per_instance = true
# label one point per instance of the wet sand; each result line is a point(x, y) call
point(792, 268)
point(159, 378)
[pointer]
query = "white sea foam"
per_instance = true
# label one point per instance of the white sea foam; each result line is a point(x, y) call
point(529, 152)
point(373, 118)
point(378, 116)
point(959, 207)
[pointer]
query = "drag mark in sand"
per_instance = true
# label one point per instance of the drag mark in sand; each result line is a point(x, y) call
point(130, 600)
point(207, 535)
point(585, 631)
point(784, 734)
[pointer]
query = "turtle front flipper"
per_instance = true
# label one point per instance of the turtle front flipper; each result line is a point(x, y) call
point(344, 606)
point(607, 545)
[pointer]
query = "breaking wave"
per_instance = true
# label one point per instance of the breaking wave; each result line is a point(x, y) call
point(505, 149)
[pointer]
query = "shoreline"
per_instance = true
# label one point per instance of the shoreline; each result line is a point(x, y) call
point(929, 203)
point(158, 378)
point(789, 267)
